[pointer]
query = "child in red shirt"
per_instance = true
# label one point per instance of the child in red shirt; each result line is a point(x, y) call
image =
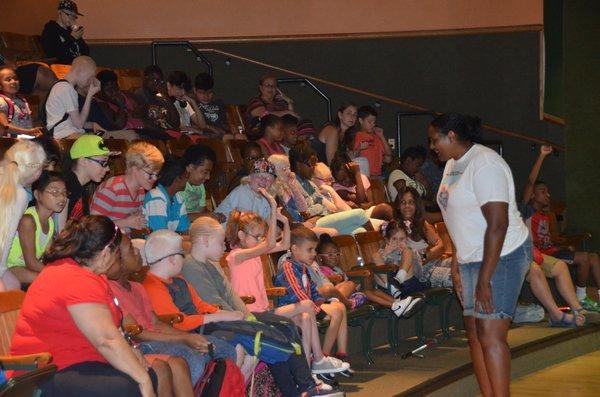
point(370, 141)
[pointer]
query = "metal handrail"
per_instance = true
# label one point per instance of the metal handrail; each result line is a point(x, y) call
point(199, 55)
point(399, 116)
point(404, 104)
point(288, 80)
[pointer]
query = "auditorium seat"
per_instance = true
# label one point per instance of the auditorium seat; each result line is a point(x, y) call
point(129, 79)
point(20, 47)
point(236, 118)
point(60, 70)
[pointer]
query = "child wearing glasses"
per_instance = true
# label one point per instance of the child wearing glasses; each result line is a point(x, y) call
point(121, 197)
point(36, 227)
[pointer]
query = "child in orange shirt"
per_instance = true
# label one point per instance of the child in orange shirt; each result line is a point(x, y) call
point(370, 141)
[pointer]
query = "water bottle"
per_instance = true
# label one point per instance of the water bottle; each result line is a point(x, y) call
point(360, 261)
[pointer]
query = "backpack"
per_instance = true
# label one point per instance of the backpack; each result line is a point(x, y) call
point(263, 384)
point(264, 341)
point(11, 106)
point(221, 378)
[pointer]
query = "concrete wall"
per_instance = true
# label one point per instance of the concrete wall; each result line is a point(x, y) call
point(495, 76)
point(582, 85)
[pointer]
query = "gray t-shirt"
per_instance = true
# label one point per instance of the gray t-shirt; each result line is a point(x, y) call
point(212, 286)
point(21, 116)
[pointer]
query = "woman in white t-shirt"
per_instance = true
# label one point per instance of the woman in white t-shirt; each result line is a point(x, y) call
point(493, 248)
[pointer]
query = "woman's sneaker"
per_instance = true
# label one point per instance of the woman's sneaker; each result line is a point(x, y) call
point(329, 365)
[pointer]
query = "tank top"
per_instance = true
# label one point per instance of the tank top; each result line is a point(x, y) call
point(15, 256)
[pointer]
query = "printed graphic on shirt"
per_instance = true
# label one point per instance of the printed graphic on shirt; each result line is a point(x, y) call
point(449, 179)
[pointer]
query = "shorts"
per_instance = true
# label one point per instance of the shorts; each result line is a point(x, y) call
point(565, 255)
point(506, 283)
point(548, 263)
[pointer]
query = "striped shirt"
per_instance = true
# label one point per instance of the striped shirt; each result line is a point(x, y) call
point(114, 200)
point(164, 212)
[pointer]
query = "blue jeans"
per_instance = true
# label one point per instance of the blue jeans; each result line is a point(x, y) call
point(345, 222)
point(506, 283)
point(196, 360)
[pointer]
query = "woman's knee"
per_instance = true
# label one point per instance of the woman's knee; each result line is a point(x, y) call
point(535, 272)
point(163, 372)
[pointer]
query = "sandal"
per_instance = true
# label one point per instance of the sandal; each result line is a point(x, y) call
point(564, 323)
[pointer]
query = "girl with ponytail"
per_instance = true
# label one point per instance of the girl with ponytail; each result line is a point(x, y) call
point(22, 165)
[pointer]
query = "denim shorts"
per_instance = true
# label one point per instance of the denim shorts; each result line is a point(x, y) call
point(506, 283)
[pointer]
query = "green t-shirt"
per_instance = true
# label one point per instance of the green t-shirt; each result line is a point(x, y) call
point(194, 197)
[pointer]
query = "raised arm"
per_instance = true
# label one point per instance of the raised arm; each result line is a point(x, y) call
point(545, 150)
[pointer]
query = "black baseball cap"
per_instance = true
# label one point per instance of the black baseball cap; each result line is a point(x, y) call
point(68, 5)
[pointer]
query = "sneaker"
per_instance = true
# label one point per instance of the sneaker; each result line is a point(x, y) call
point(400, 305)
point(413, 307)
point(407, 307)
point(322, 385)
point(589, 304)
point(329, 365)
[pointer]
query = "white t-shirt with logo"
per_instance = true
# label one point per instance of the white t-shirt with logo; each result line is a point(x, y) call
point(480, 176)
point(185, 114)
point(62, 100)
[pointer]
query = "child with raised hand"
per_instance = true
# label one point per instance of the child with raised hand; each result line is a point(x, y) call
point(250, 237)
point(395, 251)
point(294, 276)
point(36, 227)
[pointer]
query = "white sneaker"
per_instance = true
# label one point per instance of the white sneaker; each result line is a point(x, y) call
point(320, 384)
point(407, 307)
point(329, 365)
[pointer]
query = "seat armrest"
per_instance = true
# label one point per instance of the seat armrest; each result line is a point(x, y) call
point(248, 300)
point(171, 318)
point(36, 360)
point(276, 291)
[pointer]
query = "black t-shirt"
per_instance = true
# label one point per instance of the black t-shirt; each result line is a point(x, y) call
point(79, 203)
point(58, 43)
point(214, 113)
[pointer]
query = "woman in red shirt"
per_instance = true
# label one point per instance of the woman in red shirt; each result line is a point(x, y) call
point(70, 312)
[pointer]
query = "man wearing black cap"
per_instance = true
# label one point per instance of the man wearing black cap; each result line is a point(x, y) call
point(63, 39)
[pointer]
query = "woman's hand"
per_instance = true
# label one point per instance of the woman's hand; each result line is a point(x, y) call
point(483, 296)
point(353, 167)
point(94, 87)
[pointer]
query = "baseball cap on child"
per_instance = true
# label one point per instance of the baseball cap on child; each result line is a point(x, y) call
point(69, 5)
point(89, 145)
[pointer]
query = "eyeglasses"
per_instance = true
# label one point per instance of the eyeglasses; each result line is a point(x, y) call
point(258, 238)
point(114, 237)
point(151, 175)
point(182, 254)
point(58, 193)
point(101, 163)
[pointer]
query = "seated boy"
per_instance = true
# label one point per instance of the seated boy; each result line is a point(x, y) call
point(63, 117)
point(295, 277)
point(164, 206)
point(191, 119)
point(212, 109)
point(198, 161)
point(370, 141)
point(535, 203)
point(121, 197)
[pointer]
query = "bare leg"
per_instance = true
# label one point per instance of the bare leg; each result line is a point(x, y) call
point(595, 267)
point(379, 297)
point(492, 336)
point(303, 315)
point(583, 268)
point(329, 291)
point(182, 381)
point(334, 324)
point(477, 357)
point(346, 288)
point(564, 284)
point(342, 336)
point(165, 378)
point(541, 290)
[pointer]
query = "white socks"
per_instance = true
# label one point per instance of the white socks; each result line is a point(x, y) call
point(581, 294)
point(400, 276)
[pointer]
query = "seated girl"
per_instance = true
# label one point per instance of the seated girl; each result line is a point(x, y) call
point(328, 257)
point(15, 115)
point(271, 132)
point(423, 239)
point(36, 227)
point(250, 237)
